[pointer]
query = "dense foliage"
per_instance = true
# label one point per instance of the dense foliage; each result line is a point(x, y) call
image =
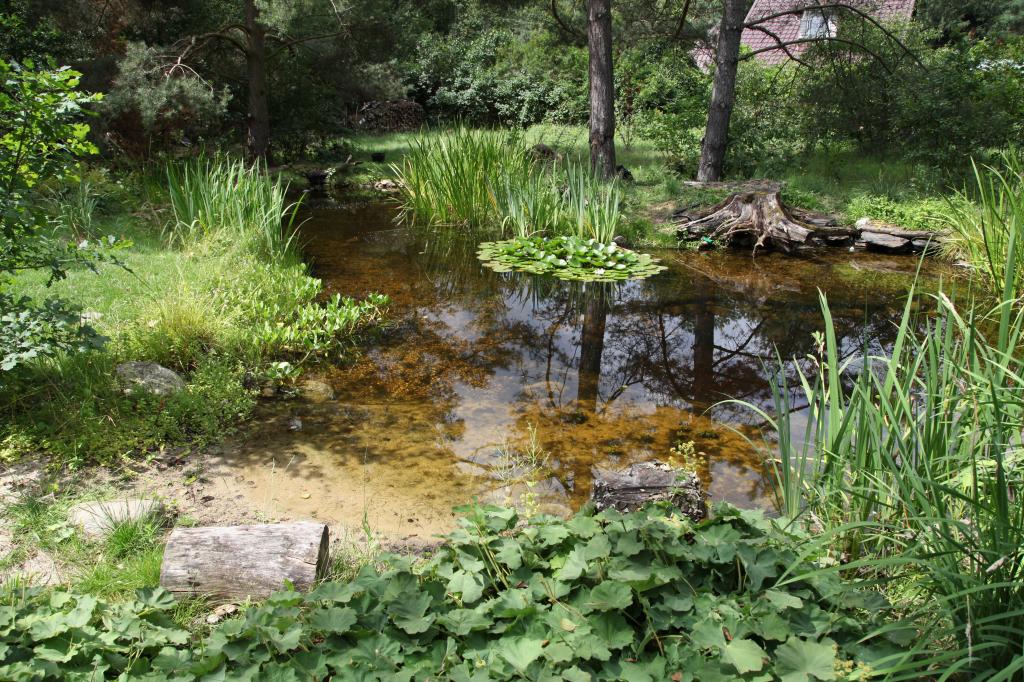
point(641, 596)
point(41, 136)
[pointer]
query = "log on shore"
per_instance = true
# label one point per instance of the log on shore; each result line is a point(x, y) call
point(631, 488)
point(244, 562)
point(760, 220)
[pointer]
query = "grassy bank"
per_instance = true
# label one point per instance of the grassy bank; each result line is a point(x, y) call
point(842, 182)
point(211, 287)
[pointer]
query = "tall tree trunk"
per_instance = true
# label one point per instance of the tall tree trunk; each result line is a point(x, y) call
point(258, 134)
point(595, 314)
point(602, 88)
point(723, 91)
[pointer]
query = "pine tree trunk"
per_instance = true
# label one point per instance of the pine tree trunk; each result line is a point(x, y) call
point(258, 134)
point(723, 91)
point(602, 88)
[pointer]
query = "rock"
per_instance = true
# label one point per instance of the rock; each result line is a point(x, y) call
point(631, 488)
point(221, 612)
point(622, 173)
point(927, 246)
point(316, 391)
point(89, 317)
point(294, 424)
point(863, 223)
point(97, 519)
point(885, 243)
point(386, 185)
point(149, 377)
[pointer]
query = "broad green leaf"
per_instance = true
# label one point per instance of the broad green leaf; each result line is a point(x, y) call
point(409, 614)
point(610, 596)
point(745, 655)
point(333, 620)
point(467, 585)
point(784, 600)
point(800, 660)
point(574, 566)
point(520, 652)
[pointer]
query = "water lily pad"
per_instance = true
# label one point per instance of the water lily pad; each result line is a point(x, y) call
point(568, 258)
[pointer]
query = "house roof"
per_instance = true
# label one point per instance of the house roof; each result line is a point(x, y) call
point(787, 27)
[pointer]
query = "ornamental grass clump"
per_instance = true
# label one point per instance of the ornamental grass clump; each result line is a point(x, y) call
point(913, 466)
point(221, 205)
point(446, 178)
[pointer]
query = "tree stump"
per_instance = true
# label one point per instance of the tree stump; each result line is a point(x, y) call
point(758, 218)
point(639, 484)
point(240, 562)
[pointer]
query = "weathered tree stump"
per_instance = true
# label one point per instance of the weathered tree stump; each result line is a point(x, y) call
point(240, 562)
point(757, 218)
point(631, 488)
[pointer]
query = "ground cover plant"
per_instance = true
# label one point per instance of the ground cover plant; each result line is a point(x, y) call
point(640, 596)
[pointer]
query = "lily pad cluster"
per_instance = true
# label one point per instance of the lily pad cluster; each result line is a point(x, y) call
point(568, 257)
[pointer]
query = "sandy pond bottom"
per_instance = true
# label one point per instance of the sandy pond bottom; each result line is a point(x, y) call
point(478, 365)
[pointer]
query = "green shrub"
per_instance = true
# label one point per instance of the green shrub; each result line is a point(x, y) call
point(914, 214)
point(641, 596)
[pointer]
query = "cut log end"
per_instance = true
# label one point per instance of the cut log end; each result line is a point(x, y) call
point(640, 484)
point(244, 562)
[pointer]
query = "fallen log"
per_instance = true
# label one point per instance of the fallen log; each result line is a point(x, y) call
point(244, 562)
point(631, 488)
point(760, 220)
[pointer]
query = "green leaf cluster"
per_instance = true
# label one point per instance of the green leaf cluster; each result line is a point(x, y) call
point(640, 596)
point(568, 257)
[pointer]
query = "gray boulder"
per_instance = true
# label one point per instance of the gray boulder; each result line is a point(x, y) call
point(149, 377)
point(97, 519)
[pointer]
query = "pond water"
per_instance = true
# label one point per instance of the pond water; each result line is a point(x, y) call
point(480, 369)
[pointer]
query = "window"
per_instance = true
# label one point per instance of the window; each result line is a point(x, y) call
point(817, 23)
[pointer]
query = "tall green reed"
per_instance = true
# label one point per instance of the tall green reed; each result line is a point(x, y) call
point(986, 222)
point(224, 204)
point(446, 178)
point(487, 179)
point(912, 465)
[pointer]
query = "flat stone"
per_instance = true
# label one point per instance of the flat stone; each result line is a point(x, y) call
point(886, 243)
point(149, 377)
point(631, 488)
point(316, 391)
point(97, 519)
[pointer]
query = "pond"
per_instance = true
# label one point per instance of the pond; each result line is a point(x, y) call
point(487, 380)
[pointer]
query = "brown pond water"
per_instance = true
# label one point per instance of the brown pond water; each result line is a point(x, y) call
point(477, 365)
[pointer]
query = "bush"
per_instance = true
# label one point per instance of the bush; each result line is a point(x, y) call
point(636, 596)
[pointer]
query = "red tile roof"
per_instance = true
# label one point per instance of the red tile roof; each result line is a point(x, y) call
point(787, 27)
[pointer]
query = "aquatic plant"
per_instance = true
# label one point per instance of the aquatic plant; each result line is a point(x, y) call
point(446, 178)
point(914, 471)
point(568, 257)
point(987, 223)
point(221, 204)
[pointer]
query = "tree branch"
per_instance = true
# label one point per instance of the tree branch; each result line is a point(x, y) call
point(566, 29)
point(779, 44)
point(839, 6)
point(804, 41)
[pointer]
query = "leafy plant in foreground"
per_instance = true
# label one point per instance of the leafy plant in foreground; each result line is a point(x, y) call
point(641, 596)
point(568, 258)
point(40, 139)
